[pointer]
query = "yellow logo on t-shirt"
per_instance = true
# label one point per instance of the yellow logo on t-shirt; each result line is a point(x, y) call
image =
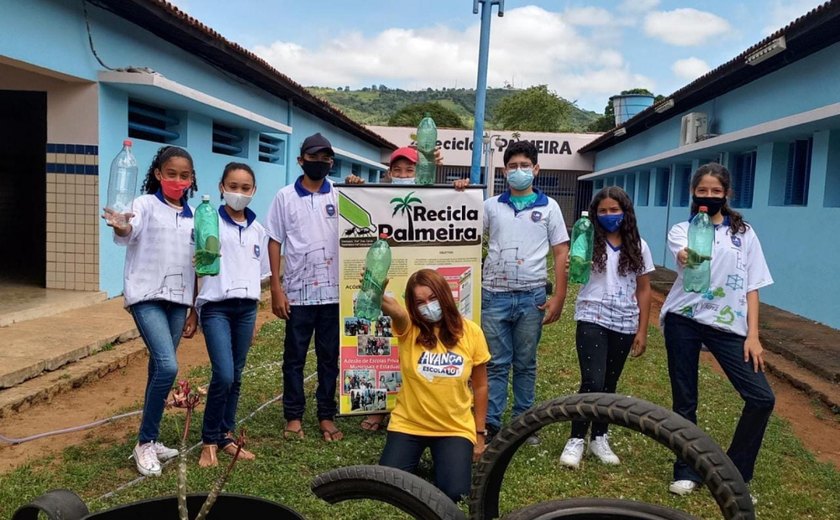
point(440, 364)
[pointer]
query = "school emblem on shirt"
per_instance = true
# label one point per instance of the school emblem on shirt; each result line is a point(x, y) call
point(736, 241)
point(440, 364)
point(330, 210)
point(256, 251)
point(536, 216)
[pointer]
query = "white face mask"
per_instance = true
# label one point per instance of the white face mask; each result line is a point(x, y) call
point(431, 311)
point(402, 180)
point(237, 201)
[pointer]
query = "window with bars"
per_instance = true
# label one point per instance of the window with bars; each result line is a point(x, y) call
point(152, 123)
point(663, 182)
point(630, 185)
point(272, 149)
point(743, 179)
point(683, 184)
point(229, 141)
point(644, 188)
point(798, 172)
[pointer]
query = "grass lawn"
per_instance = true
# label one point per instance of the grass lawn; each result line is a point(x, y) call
point(789, 482)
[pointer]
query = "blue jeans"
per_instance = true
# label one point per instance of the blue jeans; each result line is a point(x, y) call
point(512, 324)
point(160, 324)
point(683, 338)
point(228, 328)
point(451, 457)
point(601, 356)
point(322, 320)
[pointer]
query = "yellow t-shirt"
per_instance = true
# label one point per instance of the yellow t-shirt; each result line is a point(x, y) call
point(435, 398)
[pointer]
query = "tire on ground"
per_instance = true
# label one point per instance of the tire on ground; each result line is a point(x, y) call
point(58, 504)
point(681, 436)
point(600, 508)
point(401, 489)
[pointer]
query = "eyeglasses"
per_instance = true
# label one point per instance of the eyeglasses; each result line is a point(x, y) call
point(522, 165)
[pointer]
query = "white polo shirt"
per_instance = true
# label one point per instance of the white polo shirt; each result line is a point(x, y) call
point(609, 299)
point(737, 267)
point(519, 241)
point(244, 262)
point(158, 262)
point(306, 226)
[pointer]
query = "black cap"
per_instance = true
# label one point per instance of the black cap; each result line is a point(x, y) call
point(316, 143)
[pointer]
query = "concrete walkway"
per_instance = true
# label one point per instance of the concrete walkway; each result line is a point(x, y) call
point(42, 357)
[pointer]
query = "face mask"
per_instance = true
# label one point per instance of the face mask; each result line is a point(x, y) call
point(174, 188)
point(714, 204)
point(237, 201)
point(611, 223)
point(520, 179)
point(316, 170)
point(430, 311)
point(402, 180)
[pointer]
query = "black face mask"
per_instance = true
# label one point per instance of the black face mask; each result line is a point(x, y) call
point(316, 170)
point(713, 204)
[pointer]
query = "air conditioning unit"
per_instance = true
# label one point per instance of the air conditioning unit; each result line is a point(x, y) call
point(694, 125)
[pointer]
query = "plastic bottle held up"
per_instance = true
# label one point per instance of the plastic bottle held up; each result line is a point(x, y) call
point(698, 266)
point(207, 245)
point(122, 181)
point(377, 264)
point(426, 143)
point(580, 256)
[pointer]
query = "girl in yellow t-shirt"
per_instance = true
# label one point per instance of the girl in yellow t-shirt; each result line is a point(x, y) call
point(441, 356)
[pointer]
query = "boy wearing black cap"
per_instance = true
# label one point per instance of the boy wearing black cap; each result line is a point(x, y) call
point(303, 221)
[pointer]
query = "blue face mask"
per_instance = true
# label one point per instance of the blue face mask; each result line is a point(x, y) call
point(611, 223)
point(431, 311)
point(520, 179)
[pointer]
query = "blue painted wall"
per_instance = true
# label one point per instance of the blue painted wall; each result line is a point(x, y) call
point(799, 242)
point(51, 34)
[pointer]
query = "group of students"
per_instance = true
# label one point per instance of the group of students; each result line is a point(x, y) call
point(451, 412)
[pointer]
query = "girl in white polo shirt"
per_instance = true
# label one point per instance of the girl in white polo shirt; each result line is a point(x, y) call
point(724, 319)
point(159, 284)
point(611, 311)
point(227, 306)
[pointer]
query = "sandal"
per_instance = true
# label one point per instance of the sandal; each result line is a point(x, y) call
point(373, 425)
point(208, 456)
point(291, 434)
point(330, 432)
point(231, 447)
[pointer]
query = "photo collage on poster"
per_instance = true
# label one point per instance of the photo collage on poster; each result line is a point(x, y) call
point(368, 388)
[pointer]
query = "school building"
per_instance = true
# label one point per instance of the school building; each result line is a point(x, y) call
point(772, 116)
point(79, 77)
point(560, 163)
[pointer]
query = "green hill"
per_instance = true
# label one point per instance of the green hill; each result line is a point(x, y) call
point(375, 105)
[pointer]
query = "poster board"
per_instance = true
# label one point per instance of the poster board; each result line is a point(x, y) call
point(432, 227)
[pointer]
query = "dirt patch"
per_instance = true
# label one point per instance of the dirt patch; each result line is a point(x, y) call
point(119, 391)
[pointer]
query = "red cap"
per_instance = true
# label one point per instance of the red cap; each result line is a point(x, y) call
point(127, 142)
point(383, 236)
point(704, 209)
point(406, 152)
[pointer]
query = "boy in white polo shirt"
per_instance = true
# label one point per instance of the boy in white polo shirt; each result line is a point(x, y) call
point(303, 219)
point(523, 224)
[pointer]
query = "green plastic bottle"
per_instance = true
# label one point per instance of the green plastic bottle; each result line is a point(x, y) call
point(377, 264)
point(580, 256)
point(207, 245)
point(426, 143)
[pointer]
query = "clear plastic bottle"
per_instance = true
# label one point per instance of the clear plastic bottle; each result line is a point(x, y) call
point(580, 256)
point(207, 245)
point(698, 266)
point(122, 181)
point(377, 264)
point(426, 143)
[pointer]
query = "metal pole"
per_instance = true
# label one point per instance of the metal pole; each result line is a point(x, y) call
point(481, 82)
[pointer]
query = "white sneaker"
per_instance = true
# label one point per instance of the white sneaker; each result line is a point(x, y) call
point(683, 487)
point(600, 447)
point(163, 453)
point(146, 459)
point(572, 453)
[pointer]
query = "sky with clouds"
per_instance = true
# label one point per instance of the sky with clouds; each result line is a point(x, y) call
point(584, 51)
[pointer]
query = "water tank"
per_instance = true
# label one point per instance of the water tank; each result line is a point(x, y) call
point(626, 106)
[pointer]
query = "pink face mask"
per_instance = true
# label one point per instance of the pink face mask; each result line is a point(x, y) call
point(174, 188)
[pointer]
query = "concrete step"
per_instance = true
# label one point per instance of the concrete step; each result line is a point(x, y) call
point(23, 303)
point(30, 348)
